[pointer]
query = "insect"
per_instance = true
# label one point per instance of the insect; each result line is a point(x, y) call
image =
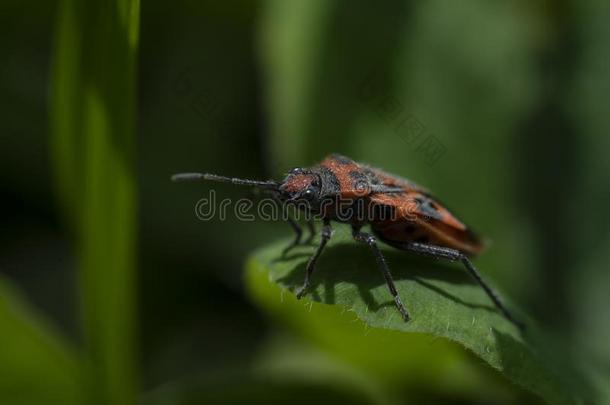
point(399, 212)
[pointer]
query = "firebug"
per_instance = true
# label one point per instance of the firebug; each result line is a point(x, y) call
point(399, 212)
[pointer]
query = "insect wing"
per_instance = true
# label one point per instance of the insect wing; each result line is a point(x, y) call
point(417, 217)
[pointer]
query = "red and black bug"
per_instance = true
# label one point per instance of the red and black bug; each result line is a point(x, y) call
point(399, 212)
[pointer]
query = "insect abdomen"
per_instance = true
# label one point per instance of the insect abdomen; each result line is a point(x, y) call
point(399, 233)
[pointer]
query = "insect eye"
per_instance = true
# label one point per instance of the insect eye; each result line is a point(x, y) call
point(309, 193)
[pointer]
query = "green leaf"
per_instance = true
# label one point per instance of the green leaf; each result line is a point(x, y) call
point(36, 367)
point(452, 320)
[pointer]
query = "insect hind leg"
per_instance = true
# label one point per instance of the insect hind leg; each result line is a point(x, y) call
point(453, 255)
point(370, 240)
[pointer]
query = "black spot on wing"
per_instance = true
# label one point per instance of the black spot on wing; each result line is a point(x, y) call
point(428, 208)
point(370, 174)
point(360, 183)
point(356, 175)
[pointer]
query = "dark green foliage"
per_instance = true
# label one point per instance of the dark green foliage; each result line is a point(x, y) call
point(443, 302)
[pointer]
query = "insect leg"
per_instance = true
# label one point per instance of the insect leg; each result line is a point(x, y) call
point(294, 224)
point(297, 239)
point(311, 264)
point(311, 225)
point(383, 266)
point(454, 255)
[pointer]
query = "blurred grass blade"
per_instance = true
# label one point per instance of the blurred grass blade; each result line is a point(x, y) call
point(36, 367)
point(66, 114)
point(291, 38)
point(452, 323)
point(93, 142)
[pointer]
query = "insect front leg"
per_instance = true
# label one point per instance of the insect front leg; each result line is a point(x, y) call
point(439, 252)
point(311, 264)
point(312, 230)
point(293, 223)
point(383, 266)
point(297, 239)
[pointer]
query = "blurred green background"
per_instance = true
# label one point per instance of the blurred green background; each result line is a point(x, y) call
point(111, 291)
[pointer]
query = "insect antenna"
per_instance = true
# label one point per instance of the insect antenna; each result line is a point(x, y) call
point(223, 179)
